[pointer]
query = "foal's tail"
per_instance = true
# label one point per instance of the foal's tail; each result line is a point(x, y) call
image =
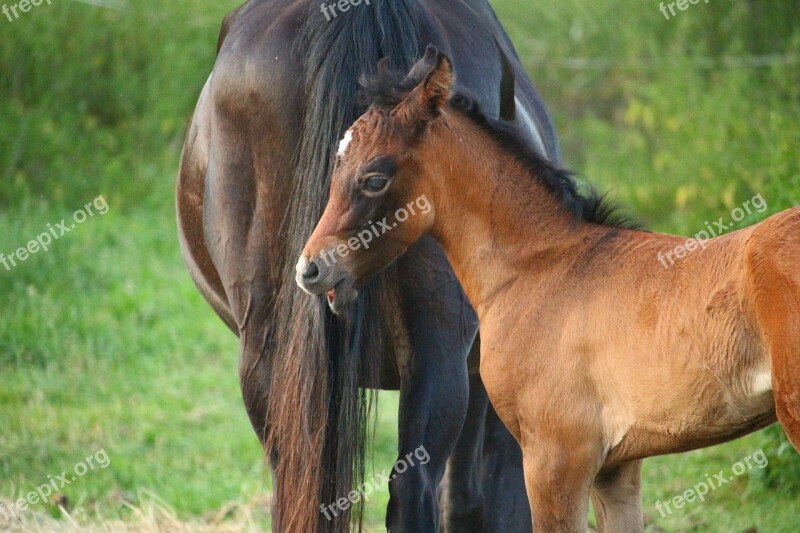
point(774, 269)
point(317, 414)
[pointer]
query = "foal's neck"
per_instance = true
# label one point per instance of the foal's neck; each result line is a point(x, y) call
point(497, 223)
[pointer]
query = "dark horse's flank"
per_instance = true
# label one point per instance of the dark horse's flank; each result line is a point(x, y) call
point(252, 185)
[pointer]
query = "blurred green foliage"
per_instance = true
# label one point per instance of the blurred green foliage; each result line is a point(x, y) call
point(105, 341)
point(97, 99)
point(670, 116)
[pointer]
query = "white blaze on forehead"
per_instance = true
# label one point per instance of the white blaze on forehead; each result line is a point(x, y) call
point(344, 143)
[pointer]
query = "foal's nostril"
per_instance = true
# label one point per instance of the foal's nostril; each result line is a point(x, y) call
point(311, 272)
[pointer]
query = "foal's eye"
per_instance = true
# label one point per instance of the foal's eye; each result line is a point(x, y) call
point(375, 184)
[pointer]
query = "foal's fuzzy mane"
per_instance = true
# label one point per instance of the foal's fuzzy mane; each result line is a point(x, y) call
point(388, 89)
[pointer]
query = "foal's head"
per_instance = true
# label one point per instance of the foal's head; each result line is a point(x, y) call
point(379, 199)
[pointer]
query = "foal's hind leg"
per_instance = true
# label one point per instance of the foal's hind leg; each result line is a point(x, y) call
point(786, 379)
point(617, 499)
point(773, 256)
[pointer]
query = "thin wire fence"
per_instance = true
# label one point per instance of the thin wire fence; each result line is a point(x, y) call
point(643, 63)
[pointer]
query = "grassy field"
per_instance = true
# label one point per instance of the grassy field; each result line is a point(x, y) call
point(106, 345)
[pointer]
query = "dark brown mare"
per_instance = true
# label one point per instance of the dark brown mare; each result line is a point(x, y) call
point(252, 185)
point(593, 353)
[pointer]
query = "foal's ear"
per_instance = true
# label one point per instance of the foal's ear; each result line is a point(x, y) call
point(432, 92)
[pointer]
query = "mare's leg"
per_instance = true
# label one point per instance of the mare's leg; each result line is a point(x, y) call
point(434, 389)
point(191, 203)
point(617, 499)
point(507, 507)
point(485, 484)
point(246, 193)
point(214, 203)
point(462, 499)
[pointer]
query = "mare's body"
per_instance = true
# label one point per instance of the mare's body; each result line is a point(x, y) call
point(252, 184)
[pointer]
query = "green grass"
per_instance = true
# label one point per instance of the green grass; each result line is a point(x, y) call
point(105, 342)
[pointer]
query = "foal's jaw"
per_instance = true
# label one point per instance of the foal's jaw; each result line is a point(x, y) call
point(341, 295)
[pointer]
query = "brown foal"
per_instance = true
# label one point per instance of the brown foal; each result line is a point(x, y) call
point(594, 355)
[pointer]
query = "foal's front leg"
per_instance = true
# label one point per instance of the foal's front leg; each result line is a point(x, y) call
point(559, 471)
point(434, 390)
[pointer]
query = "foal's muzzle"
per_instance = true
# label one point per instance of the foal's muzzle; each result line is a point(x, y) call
point(316, 276)
point(307, 271)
